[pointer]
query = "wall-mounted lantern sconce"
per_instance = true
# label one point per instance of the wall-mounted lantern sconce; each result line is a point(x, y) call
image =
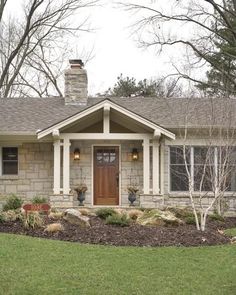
point(134, 154)
point(76, 154)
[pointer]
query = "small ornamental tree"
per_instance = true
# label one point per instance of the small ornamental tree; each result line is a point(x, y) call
point(206, 169)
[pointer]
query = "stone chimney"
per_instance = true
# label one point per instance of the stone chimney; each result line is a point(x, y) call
point(76, 83)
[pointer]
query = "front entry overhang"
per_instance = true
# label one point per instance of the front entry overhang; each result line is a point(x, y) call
point(110, 114)
point(107, 106)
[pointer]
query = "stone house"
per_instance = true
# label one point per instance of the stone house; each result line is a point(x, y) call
point(48, 146)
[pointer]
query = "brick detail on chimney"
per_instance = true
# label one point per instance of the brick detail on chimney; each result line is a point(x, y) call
point(76, 86)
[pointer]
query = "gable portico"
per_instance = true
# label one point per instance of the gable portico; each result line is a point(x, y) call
point(107, 124)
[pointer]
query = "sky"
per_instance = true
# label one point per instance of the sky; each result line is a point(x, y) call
point(115, 49)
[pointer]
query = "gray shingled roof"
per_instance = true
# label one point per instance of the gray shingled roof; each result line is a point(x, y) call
point(27, 115)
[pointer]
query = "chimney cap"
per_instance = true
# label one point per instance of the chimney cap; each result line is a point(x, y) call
point(76, 62)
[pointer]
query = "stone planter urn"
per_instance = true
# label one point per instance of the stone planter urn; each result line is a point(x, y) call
point(132, 194)
point(132, 198)
point(81, 190)
point(81, 198)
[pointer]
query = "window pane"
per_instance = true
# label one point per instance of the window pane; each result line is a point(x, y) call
point(228, 182)
point(203, 177)
point(9, 153)
point(112, 157)
point(227, 167)
point(226, 155)
point(179, 178)
point(177, 155)
point(10, 168)
point(9, 160)
point(204, 155)
point(99, 157)
point(106, 157)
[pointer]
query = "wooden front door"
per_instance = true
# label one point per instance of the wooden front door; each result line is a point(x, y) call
point(106, 175)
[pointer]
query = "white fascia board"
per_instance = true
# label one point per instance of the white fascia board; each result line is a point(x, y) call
point(105, 104)
point(142, 120)
point(70, 120)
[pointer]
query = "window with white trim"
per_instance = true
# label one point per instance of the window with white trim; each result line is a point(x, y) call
point(9, 161)
point(209, 167)
point(178, 173)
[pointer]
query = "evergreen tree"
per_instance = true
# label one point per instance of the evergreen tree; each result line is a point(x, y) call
point(221, 76)
point(126, 87)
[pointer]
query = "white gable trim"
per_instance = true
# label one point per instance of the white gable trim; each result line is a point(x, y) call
point(105, 104)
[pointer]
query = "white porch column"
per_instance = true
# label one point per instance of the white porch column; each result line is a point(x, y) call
point(155, 167)
point(162, 167)
point(57, 165)
point(146, 166)
point(106, 119)
point(66, 166)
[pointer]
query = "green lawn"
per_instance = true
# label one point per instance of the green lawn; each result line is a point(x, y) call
point(38, 266)
point(231, 232)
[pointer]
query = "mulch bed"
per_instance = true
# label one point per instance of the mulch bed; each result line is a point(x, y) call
point(133, 235)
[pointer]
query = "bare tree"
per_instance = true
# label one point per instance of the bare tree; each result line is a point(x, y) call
point(207, 170)
point(30, 47)
point(206, 29)
point(2, 6)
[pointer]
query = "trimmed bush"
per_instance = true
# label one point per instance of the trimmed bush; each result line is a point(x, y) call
point(39, 200)
point(13, 202)
point(33, 219)
point(105, 212)
point(118, 219)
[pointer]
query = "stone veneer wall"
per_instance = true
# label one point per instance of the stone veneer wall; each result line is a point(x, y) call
point(35, 177)
point(152, 201)
point(130, 172)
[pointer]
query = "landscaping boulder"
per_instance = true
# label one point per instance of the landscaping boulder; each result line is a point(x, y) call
point(158, 217)
point(75, 217)
point(233, 240)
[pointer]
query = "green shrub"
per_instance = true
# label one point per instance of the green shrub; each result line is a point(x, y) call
point(12, 215)
point(216, 216)
point(39, 200)
point(231, 232)
point(13, 202)
point(181, 213)
point(118, 219)
point(105, 212)
point(2, 218)
point(186, 214)
point(190, 220)
point(32, 219)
